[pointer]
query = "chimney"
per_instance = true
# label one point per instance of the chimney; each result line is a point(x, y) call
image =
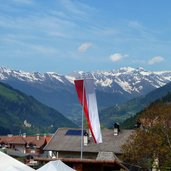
point(116, 129)
point(85, 138)
point(37, 137)
point(24, 135)
point(10, 135)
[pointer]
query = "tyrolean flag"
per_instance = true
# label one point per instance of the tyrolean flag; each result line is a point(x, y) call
point(87, 98)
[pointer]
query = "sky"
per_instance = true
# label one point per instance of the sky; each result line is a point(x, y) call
point(85, 35)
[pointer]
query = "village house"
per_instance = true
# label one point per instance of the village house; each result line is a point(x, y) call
point(65, 145)
point(23, 146)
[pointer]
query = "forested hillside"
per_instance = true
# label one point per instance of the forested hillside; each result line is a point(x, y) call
point(21, 113)
point(121, 112)
point(160, 106)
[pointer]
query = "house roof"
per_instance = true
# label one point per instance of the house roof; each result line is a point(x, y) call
point(48, 138)
point(15, 153)
point(102, 155)
point(5, 139)
point(61, 141)
point(17, 140)
point(34, 140)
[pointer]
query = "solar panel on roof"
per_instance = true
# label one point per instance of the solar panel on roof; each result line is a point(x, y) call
point(74, 132)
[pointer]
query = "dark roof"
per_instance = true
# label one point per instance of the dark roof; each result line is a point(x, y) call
point(62, 142)
point(15, 153)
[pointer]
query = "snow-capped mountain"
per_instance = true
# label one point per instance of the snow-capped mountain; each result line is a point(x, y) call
point(130, 80)
point(112, 87)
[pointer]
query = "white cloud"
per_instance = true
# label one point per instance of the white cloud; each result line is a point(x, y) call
point(116, 57)
point(84, 47)
point(156, 59)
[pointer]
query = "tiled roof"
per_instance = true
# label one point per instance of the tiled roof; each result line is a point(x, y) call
point(5, 139)
point(111, 143)
point(24, 140)
point(48, 138)
point(18, 140)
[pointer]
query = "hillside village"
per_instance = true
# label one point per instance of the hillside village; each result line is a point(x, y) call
point(65, 145)
point(36, 147)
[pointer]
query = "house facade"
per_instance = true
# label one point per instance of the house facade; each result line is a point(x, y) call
point(66, 143)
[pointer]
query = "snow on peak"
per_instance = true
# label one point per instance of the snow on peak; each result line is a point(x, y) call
point(56, 76)
point(126, 69)
point(5, 73)
point(124, 79)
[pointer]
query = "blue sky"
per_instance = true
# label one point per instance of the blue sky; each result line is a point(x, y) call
point(88, 35)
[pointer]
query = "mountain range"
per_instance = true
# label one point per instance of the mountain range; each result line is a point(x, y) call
point(112, 87)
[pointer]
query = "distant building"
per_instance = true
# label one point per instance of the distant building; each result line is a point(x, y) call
point(24, 146)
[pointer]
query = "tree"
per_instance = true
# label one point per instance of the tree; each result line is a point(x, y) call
point(153, 140)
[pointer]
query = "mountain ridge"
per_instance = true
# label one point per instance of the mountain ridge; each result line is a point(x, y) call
point(129, 109)
point(37, 76)
point(131, 122)
point(112, 87)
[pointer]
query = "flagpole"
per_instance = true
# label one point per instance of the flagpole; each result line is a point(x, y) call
point(82, 123)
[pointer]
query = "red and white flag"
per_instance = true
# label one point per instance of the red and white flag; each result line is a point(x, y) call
point(90, 106)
